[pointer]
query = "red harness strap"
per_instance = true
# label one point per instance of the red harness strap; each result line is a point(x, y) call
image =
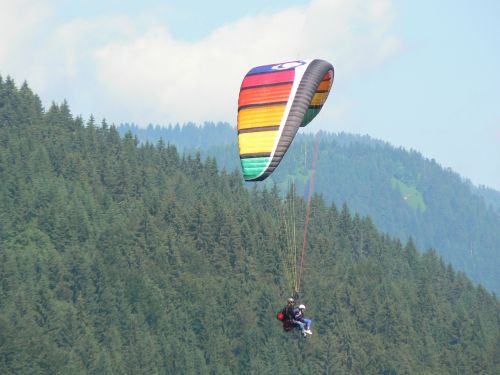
point(288, 325)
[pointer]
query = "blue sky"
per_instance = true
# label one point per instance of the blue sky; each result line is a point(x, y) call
point(419, 74)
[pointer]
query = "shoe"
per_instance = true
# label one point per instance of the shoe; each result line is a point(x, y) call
point(308, 331)
point(304, 334)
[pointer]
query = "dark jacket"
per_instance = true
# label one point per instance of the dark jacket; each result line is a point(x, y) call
point(288, 313)
point(298, 316)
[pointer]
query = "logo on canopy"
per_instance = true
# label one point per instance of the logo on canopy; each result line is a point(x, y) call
point(288, 65)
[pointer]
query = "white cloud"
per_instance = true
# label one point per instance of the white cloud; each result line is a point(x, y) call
point(133, 69)
point(160, 79)
point(20, 26)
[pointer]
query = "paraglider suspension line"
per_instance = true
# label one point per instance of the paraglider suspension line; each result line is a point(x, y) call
point(308, 212)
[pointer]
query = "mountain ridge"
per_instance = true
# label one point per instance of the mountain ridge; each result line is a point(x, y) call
point(406, 194)
point(118, 257)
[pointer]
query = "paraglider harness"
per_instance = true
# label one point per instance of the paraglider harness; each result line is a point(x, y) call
point(288, 322)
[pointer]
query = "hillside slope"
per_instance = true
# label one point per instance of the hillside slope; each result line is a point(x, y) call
point(404, 193)
point(117, 258)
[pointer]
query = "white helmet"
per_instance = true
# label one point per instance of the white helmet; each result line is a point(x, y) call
point(302, 307)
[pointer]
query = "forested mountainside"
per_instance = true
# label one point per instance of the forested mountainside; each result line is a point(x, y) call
point(491, 197)
point(185, 137)
point(404, 193)
point(125, 258)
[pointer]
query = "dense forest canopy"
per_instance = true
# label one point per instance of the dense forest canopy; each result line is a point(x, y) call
point(491, 196)
point(404, 193)
point(125, 258)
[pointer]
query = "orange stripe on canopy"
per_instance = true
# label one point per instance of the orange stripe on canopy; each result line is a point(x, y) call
point(262, 95)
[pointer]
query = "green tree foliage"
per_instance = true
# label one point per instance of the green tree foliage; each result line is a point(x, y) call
point(120, 258)
point(405, 194)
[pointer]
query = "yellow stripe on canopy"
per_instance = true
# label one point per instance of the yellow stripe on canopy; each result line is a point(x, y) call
point(256, 142)
point(319, 98)
point(260, 116)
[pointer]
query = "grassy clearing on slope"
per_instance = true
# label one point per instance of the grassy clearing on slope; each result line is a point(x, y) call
point(410, 194)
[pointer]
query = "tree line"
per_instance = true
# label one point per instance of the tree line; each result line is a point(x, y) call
point(121, 257)
point(404, 193)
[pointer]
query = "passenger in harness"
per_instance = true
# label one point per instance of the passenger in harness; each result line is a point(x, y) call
point(287, 316)
point(299, 317)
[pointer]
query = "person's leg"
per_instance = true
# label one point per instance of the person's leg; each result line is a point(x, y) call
point(300, 326)
point(308, 323)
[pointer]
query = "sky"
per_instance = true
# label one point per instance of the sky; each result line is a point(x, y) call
point(422, 75)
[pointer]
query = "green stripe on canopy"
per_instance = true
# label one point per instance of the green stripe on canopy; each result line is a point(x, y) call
point(253, 167)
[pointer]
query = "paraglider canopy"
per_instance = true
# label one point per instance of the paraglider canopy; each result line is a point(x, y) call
point(274, 101)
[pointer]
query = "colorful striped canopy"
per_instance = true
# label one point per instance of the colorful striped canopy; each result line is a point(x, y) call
point(275, 100)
